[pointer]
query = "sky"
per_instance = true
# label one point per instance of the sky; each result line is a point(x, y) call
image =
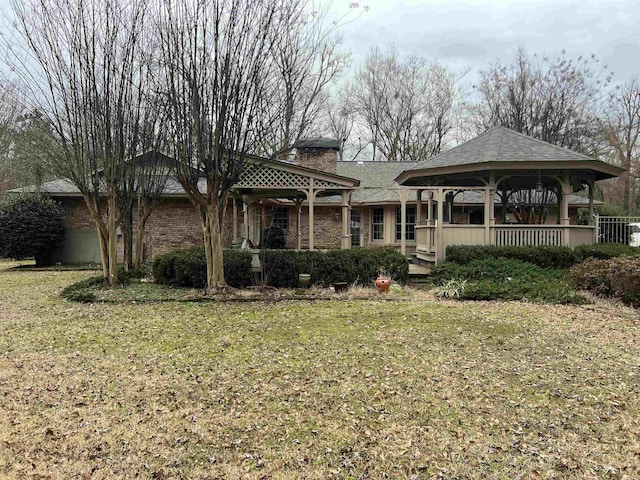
point(473, 34)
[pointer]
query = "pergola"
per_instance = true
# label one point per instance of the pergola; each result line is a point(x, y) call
point(498, 162)
point(273, 179)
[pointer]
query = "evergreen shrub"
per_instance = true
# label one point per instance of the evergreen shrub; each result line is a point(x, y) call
point(542, 256)
point(281, 267)
point(31, 225)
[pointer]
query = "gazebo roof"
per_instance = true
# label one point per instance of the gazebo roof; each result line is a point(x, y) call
point(505, 151)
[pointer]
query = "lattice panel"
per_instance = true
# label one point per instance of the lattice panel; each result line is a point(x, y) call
point(271, 178)
point(327, 184)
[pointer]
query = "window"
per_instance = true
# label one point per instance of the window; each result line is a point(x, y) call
point(377, 224)
point(411, 223)
point(356, 228)
point(279, 217)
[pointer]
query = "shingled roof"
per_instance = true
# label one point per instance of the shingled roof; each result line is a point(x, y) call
point(502, 145)
point(501, 149)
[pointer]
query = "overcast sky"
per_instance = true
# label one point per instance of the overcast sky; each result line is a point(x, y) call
point(476, 33)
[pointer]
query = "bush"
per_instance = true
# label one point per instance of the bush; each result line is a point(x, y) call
point(282, 267)
point(605, 251)
point(542, 256)
point(492, 278)
point(617, 277)
point(31, 225)
point(490, 268)
point(82, 291)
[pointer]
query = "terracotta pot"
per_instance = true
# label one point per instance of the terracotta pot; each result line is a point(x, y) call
point(383, 284)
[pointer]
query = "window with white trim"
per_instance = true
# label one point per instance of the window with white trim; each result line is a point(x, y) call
point(410, 233)
point(377, 223)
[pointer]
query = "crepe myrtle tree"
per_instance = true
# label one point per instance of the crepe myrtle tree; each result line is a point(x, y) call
point(31, 225)
point(219, 77)
point(83, 65)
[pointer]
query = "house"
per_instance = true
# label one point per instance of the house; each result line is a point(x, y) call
point(322, 203)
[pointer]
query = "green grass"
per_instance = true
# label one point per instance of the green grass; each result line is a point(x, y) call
point(415, 388)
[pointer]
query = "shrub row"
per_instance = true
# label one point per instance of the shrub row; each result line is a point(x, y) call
point(604, 251)
point(543, 256)
point(494, 278)
point(281, 267)
point(617, 277)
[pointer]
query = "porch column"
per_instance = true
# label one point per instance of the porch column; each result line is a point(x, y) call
point(430, 245)
point(246, 199)
point(311, 197)
point(403, 220)
point(298, 203)
point(591, 187)
point(440, 254)
point(565, 188)
point(234, 217)
point(591, 222)
point(489, 207)
point(345, 238)
point(419, 207)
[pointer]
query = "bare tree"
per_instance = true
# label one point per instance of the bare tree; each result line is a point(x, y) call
point(307, 58)
point(403, 106)
point(215, 55)
point(9, 119)
point(557, 100)
point(84, 72)
point(622, 129)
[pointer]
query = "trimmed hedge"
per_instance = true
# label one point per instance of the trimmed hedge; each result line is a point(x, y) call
point(492, 278)
point(605, 251)
point(542, 256)
point(281, 267)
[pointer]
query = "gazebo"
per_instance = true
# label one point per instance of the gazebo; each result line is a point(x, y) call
point(495, 165)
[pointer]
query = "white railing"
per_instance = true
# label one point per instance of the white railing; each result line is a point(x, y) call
point(531, 235)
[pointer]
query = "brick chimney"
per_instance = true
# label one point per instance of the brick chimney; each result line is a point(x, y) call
point(319, 153)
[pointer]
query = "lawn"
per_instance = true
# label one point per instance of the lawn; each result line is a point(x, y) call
point(414, 388)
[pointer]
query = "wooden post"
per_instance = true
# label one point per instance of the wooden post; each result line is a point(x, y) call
point(403, 221)
point(419, 207)
point(345, 239)
point(440, 254)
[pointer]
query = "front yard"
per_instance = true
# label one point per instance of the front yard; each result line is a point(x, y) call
point(347, 389)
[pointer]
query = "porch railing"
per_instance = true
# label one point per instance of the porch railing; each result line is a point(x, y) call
point(428, 239)
point(531, 235)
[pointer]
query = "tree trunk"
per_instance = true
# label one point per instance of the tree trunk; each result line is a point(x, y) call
point(209, 219)
point(111, 228)
point(127, 240)
point(216, 276)
point(101, 229)
point(143, 215)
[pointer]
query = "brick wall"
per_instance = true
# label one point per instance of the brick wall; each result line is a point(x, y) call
point(323, 159)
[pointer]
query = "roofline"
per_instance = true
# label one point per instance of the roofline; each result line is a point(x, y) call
point(588, 164)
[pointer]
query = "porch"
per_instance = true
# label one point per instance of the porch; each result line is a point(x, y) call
point(505, 169)
point(432, 240)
